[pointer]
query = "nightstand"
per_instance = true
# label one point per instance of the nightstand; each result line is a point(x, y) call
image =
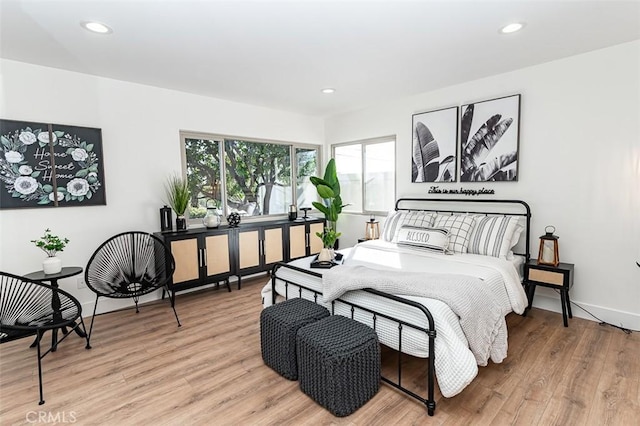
point(559, 277)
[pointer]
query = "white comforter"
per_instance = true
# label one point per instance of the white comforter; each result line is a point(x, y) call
point(455, 364)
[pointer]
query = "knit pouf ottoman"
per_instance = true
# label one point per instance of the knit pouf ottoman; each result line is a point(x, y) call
point(279, 325)
point(338, 363)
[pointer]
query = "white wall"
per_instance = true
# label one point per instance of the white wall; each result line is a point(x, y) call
point(141, 145)
point(579, 166)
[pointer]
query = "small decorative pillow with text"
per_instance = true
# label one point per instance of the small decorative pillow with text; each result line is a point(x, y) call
point(396, 219)
point(492, 235)
point(459, 227)
point(434, 239)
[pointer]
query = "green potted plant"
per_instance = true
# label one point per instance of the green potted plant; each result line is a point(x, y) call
point(178, 197)
point(51, 244)
point(328, 189)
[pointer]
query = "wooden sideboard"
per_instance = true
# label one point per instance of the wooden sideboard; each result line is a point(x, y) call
point(204, 256)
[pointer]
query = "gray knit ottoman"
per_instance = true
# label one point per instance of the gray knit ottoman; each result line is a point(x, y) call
point(339, 363)
point(279, 325)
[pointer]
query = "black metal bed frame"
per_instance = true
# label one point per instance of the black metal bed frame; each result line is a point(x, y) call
point(430, 331)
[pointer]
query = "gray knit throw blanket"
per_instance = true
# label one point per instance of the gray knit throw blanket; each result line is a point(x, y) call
point(480, 314)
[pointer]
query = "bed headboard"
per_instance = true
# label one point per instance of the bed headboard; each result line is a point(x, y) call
point(516, 208)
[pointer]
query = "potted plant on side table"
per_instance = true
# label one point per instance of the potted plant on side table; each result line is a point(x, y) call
point(178, 197)
point(51, 244)
point(328, 189)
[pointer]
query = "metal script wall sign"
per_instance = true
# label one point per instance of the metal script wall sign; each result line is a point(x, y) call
point(463, 191)
point(50, 165)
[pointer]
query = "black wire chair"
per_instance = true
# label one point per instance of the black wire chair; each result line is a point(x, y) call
point(127, 266)
point(30, 308)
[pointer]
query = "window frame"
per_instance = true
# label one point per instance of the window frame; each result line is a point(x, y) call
point(220, 139)
point(364, 143)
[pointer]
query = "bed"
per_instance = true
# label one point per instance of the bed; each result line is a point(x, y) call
point(405, 307)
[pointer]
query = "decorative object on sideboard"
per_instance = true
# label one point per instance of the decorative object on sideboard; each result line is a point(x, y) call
point(212, 218)
point(50, 165)
point(548, 253)
point(293, 212)
point(51, 244)
point(433, 157)
point(305, 210)
point(372, 229)
point(178, 197)
point(166, 219)
point(233, 219)
point(489, 139)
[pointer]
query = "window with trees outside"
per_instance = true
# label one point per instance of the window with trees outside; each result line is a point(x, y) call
point(253, 178)
point(366, 170)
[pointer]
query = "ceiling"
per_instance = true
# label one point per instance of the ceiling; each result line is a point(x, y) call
point(280, 54)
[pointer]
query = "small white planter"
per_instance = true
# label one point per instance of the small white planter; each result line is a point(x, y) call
point(52, 265)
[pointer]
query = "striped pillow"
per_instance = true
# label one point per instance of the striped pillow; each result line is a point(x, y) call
point(459, 227)
point(433, 239)
point(396, 219)
point(492, 235)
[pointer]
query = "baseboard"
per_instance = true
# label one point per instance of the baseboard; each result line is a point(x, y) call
point(624, 319)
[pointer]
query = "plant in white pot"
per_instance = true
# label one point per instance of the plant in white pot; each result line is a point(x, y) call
point(51, 244)
point(328, 189)
point(178, 197)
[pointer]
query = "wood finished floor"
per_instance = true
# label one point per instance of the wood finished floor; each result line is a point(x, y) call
point(144, 370)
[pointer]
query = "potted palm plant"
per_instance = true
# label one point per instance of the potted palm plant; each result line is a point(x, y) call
point(178, 197)
point(331, 206)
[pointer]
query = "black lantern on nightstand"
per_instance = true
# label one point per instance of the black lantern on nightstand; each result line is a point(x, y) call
point(372, 229)
point(548, 253)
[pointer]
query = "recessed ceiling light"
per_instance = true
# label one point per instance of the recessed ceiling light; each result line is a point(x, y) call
point(96, 27)
point(512, 28)
point(328, 90)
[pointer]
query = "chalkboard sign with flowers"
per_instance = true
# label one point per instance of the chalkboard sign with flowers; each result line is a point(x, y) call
point(47, 165)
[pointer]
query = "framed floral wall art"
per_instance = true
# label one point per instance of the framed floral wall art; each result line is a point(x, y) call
point(50, 165)
point(489, 139)
point(433, 154)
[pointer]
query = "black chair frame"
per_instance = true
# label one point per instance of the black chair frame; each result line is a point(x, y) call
point(128, 266)
point(32, 308)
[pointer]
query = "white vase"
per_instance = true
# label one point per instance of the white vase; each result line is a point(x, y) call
point(325, 255)
point(52, 265)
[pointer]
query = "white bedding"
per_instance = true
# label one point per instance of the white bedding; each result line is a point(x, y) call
point(454, 363)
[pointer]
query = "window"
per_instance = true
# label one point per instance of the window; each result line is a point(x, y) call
point(366, 170)
point(253, 178)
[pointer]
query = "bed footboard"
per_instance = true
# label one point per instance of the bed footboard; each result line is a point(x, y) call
point(428, 400)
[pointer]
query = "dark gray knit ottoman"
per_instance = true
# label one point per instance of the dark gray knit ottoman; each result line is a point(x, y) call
point(339, 363)
point(279, 324)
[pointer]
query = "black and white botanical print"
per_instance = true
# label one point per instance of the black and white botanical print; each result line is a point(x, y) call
point(433, 156)
point(489, 140)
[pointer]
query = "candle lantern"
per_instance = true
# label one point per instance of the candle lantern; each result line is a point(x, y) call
point(372, 229)
point(548, 253)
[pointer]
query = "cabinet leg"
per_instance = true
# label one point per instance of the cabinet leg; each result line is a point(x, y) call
point(569, 304)
point(563, 297)
point(239, 282)
point(228, 286)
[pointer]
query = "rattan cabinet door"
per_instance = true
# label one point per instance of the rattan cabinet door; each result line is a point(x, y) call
point(185, 252)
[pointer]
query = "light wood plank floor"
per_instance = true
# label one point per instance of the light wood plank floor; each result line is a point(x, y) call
point(144, 370)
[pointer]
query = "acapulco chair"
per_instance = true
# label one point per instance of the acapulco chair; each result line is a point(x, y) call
point(127, 266)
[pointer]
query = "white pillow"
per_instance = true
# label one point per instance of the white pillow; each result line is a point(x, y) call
point(459, 227)
point(434, 239)
point(396, 219)
point(493, 235)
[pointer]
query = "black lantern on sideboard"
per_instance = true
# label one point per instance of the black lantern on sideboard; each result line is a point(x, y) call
point(548, 253)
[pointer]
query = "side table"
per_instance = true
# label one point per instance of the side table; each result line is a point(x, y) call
point(40, 276)
point(559, 277)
